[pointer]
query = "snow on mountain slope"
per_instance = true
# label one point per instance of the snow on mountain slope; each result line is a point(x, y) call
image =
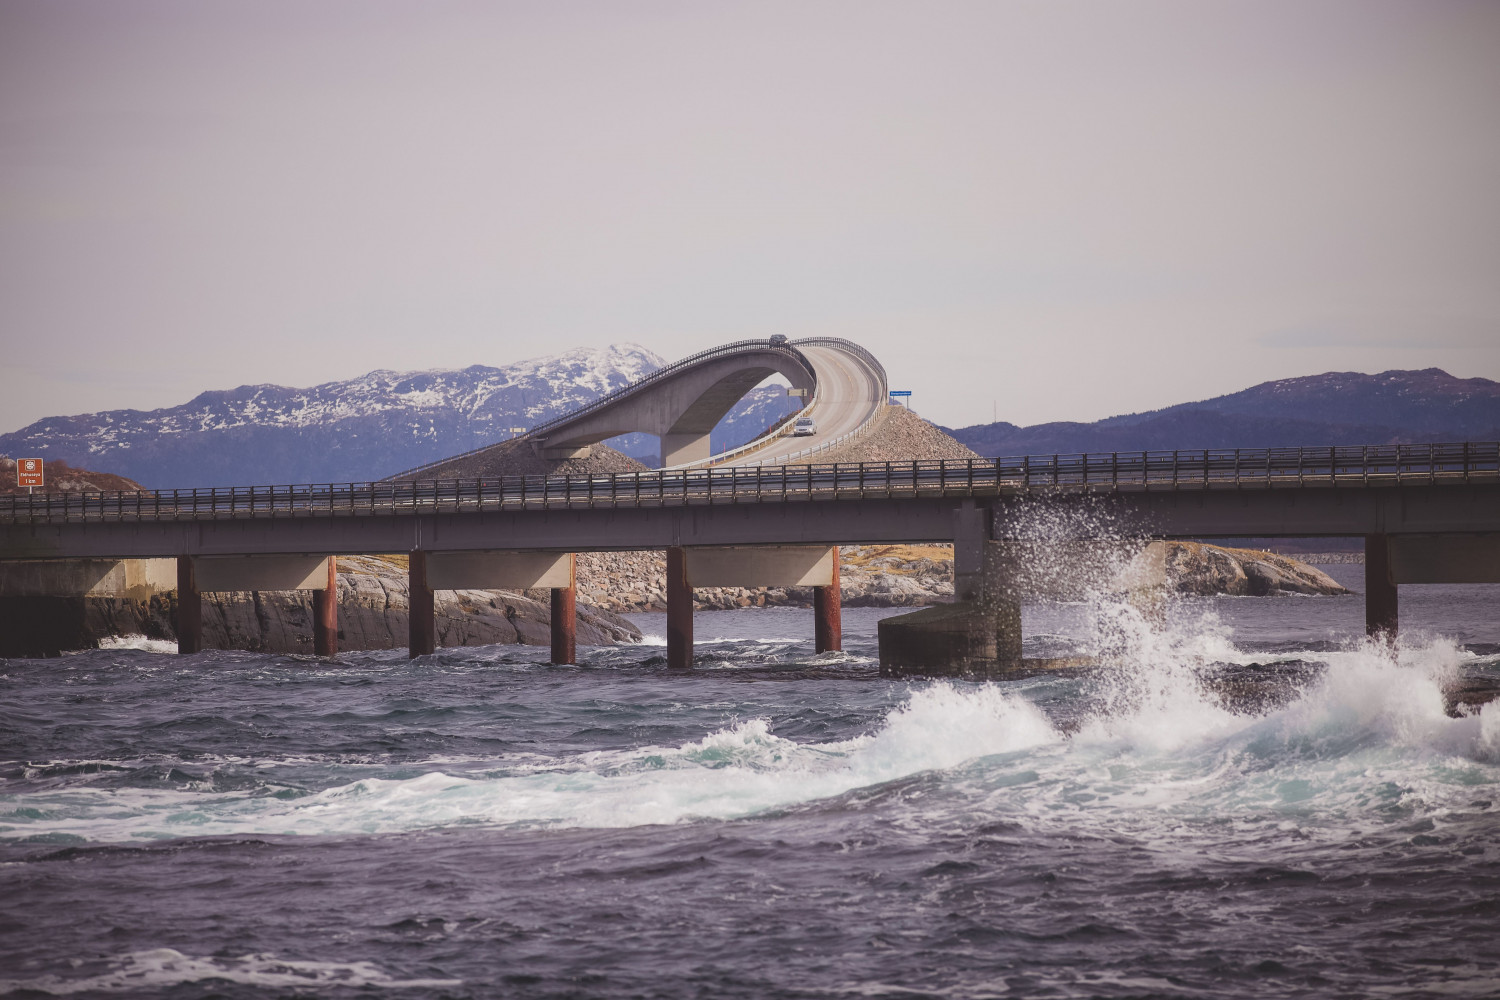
point(358, 429)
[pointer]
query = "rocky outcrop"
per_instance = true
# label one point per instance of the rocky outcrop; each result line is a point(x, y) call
point(63, 478)
point(1193, 568)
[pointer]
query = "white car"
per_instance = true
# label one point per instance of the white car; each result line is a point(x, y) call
point(804, 426)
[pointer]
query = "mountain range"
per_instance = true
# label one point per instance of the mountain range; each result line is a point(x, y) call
point(1336, 408)
point(385, 422)
point(359, 429)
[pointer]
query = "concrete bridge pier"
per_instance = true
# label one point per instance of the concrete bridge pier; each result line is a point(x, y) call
point(1381, 604)
point(325, 604)
point(421, 616)
point(813, 566)
point(679, 611)
point(490, 569)
point(828, 613)
point(189, 608)
point(565, 616)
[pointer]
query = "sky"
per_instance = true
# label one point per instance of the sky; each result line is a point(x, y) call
point(1027, 210)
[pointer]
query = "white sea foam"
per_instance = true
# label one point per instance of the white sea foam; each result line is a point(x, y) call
point(1366, 739)
point(137, 642)
point(160, 968)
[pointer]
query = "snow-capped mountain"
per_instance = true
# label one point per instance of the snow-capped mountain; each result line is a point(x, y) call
point(360, 429)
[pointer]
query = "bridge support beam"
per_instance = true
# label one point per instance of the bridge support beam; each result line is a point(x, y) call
point(679, 611)
point(828, 605)
point(1380, 589)
point(189, 607)
point(421, 628)
point(325, 604)
point(565, 617)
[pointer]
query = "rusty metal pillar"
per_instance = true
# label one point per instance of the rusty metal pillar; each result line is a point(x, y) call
point(189, 608)
point(326, 614)
point(828, 605)
point(1380, 589)
point(422, 617)
point(679, 611)
point(565, 617)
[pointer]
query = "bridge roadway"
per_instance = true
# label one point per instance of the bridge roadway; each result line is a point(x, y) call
point(1277, 492)
point(1442, 498)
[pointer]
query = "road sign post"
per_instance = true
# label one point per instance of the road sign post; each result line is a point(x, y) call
point(29, 473)
point(899, 395)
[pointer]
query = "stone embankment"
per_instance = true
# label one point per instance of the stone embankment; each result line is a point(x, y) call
point(897, 435)
point(518, 458)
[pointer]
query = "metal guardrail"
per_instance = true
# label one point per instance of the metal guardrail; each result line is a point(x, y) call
point(1219, 469)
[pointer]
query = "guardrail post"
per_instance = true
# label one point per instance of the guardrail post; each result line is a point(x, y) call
point(1381, 604)
point(422, 608)
point(828, 621)
point(189, 608)
point(565, 617)
point(326, 614)
point(679, 611)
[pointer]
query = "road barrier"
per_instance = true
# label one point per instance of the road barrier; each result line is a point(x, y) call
point(1216, 469)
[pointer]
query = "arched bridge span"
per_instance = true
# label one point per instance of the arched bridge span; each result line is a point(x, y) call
point(684, 401)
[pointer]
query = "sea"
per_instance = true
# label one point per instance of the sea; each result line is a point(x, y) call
point(1245, 798)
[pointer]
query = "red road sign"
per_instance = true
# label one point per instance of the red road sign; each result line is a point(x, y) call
point(28, 472)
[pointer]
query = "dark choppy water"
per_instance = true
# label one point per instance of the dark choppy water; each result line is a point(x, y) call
point(476, 824)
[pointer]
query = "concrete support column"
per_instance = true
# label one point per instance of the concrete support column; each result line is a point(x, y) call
point(1380, 588)
point(677, 449)
point(828, 604)
point(565, 617)
point(422, 617)
point(970, 531)
point(326, 614)
point(189, 608)
point(679, 611)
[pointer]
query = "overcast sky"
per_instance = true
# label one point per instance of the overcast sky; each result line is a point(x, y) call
point(1042, 210)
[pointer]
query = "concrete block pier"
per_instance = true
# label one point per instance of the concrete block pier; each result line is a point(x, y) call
point(980, 634)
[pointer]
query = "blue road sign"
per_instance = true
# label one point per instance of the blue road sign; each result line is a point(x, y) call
point(900, 392)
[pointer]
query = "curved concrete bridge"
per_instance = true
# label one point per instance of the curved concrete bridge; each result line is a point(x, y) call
point(683, 402)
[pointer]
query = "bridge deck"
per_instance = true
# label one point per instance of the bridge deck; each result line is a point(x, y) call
point(1174, 472)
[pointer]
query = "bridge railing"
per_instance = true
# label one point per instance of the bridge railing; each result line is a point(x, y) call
point(1216, 469)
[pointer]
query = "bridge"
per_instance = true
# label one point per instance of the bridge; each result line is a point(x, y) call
point(1427, 514)
point(845, 388)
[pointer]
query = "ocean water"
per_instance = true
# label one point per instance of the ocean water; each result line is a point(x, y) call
point(478, 824)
